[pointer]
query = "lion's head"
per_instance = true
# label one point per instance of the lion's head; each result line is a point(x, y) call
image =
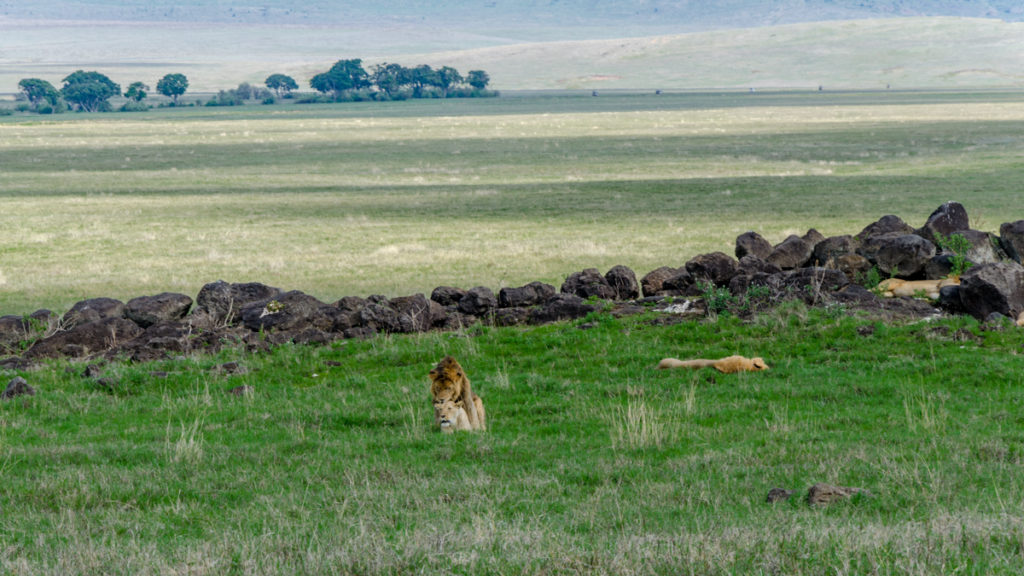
point(450, 416)
point(759, 364)
point(447, 380)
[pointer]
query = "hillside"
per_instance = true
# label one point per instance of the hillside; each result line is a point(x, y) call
point(904, 53)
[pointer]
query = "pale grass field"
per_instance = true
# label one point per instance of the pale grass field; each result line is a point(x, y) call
point(357, 201)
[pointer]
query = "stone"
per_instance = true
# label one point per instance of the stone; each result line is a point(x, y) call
point(904, 255)
point(752, 244)
point(988, 288)
point(447, 295)
point(828, 252)
point(166, 307)
point(86, 339)
point(290, 311)
point(222, 303)
point(778, 495)
point(478, 301)
point(885, 225)
point(822, 494)
point(791, 253)
point(623, 281)
point(531, 294)
point(950, 218)
point(561, 307)
point(1011, 238)
point(715, 267)
point(588, 284)
point(17, 387)
point(92, 310)
point(653, 282)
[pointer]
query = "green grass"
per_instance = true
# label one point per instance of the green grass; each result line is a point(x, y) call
point(403, 197)
point(594, 461)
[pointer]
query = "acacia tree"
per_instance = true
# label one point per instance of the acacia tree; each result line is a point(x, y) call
point(136, 92)
point(390, 78)
point(281, 84)
point(39, 92)
point(345, 75)
point(446, 77)
point(89, 91)
point(478, 79)
point(172, 86)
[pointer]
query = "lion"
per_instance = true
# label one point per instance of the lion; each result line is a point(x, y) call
point(448, 381)
point(894, 287)
point(451, 416)
point(728, 365)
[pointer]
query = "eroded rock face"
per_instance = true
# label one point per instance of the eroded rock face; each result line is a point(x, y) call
point(997, 287)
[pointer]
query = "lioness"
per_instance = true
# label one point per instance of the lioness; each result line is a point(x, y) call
point(728, 365)
point(450, 416)
point(448, 381)
point(912, 288)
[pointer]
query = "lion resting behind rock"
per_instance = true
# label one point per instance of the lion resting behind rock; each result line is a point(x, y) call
point(448, 382)
point(729, 365)
point(894, 287)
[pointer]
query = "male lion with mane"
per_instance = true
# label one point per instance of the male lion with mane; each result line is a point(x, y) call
point(448, 381)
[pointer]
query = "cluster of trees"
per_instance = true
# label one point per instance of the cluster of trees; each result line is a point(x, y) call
point(92, 91)
point(346, 80)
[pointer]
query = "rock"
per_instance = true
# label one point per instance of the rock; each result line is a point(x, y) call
point(92, 310)
point(947, 219)
point(791, 253)
point(1011, 238)
point(86, 339)
point(510, 316)
point(561, 307)
point(166, 307)
point(158, 342)
point(531, 294)
point(652, 282)
point(950, 300)
point(752, 244)
point(813, 238)
point(822, 494)
point(17, 387)
point(221, 303)
point(985, 247)
point(751, 264)
point(812, 285)
point(989, 288)
point(715, 267)
point(290, 311)
point(778, 495)
point(828, 252)
point(419, 310)
point(623, 283)
point(588, 284)
point(17, 329)
point(447, 295)
point(854, 266)
point(478, 301)
point(681, 284)
point(242, 391)
point(884, 226)
point(904, 255)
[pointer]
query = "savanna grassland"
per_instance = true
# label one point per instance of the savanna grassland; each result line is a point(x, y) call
point(594, 463)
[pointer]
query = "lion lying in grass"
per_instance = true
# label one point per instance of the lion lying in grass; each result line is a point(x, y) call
point(728, 365)
point(448, 382)
point(894, 287)
point(452, 417)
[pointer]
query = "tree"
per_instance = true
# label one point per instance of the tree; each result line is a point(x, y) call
point(391, 78)
point(281, 84)
point(423, 76)
point(90, 91)
point(244, 91)
point(172, 86)
point(343, 76)
point(478, 79)
point(137, 91)
point(446, 78)
point(39, 92)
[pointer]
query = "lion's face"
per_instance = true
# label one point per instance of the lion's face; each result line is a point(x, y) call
point(446, 413)
point(759, 364)
point(447, 379)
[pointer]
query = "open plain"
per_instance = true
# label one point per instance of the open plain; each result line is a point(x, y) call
point(594, 462)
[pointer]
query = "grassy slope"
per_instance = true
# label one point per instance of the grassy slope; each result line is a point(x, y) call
point(594, 463)
point(400, 198)
point(907, 53)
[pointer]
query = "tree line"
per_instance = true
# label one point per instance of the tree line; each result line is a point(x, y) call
point(346, 80)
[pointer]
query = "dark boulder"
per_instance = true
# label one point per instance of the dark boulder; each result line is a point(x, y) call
point(752, 244)
point(478, 301)
point(791, 253)
point(715, 267)
point(222, 303)
point(293, 310)
point(828, 252)
point(529, 295)
point(86, 339)
point(447, 295)
point(1011, 237)
point(588, 284)
point(18, 386)
point(903, 256)
point(166, 307)
point(561, 307)
point(92, 310)
point(885, 225)
point(653, 282)
point(623, 281)
point(950, 218)
point(989, 288)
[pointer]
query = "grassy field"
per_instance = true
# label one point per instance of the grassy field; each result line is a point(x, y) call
point(400, 198)
point(595, 463)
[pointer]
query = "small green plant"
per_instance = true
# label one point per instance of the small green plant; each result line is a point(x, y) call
point(870, 279)
point(718, 300)
point(957, 246)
